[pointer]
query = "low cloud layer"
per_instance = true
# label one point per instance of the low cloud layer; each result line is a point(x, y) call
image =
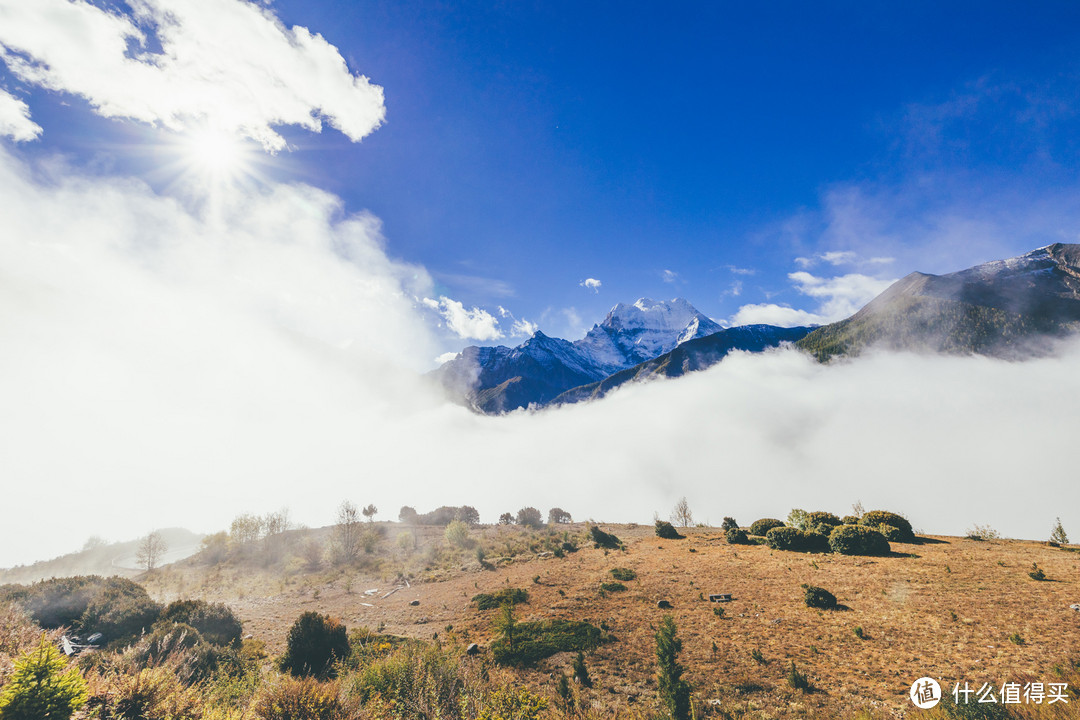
point(228, 64)
point(169, 368)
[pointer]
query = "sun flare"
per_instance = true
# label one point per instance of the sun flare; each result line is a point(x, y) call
point(216, 156)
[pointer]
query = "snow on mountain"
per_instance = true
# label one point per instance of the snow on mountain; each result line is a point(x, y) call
point(631, 334)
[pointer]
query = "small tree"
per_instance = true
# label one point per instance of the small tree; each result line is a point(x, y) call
point(581, 673)
point(506, 519)
point(530, 517)
point(150, 551)
point(681, 515)
point(729, 524)
point(506, 625)
point(314, 644)
point(798, 518)
point(1058, 535)
point(558, 516)
point(457, 533)
point(674, 691)
point(245, 529)
point(467, 514)
point(39, 689)
point(370, 512)
point(407, 515)
point(347, 534)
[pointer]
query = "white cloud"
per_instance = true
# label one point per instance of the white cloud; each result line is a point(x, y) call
point(774, 314)
point(669, 276)
point(446, 357)
point(227, 64)
point(740, 271)
point(838, 297)
point(468, 324)
point(523, 328)
point(591, 284)
point(15, 121)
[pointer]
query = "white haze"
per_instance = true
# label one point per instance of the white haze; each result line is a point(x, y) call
point(165, 367)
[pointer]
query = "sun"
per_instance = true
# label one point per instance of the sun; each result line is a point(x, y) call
point(216, 156)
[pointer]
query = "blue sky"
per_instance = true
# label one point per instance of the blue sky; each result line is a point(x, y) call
point(684, 149)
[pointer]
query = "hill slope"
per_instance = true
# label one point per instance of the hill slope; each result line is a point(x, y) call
point(1006, 308)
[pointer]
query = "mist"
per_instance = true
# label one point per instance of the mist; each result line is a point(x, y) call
point(176, 364)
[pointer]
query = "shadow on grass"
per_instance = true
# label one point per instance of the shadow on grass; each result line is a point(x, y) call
point(919, 540)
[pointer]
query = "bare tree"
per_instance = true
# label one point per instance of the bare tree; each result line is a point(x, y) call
point(274, 526)
point(150, 551)
point(245, 529)
point(681, 515)
point(347, 533)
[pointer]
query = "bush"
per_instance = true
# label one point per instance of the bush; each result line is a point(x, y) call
point(849, 520)
point(764, 525)
point(40, 689)
point(120, 612)
point(667, 531)
point(612, 587)
point(874, 518)
point(457, 533)
point(420, 681)
point(1036, 573)
point(789, 538)
point(728, 524)
point(300, 699)
point(858, 540)
point(529, 517)
point(798, 518)
point(624, 574)
point(796, 679)
point(891, 533)
point(821, 598)
point(820, 517)
point(737, 536)
point(602, 539)
point(491, 601)
point(511, 701)
point(558, 516)
point(151, 693)
point(215, 621)
point(534, 641)
point(314, 644)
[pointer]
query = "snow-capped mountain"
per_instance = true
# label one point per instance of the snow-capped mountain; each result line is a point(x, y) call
point(498, 379)
point(631, 334)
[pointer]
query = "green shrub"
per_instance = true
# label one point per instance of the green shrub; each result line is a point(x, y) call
point(891, 533)
point(820, 517)
point(796, 679)
point(849, 520)
point(300, 699)
point(859, 633)
point(120, 612)
point(534, 641)
point(820, 598)
point(728, 524)
point(874, 518)
point(511, 701)
point(314, 644)
point(673, 690)
point(858, 540)
point(612, 587)
point(1036, 573)
point(40, 688)
point(737, 536)
point(581, 673)
point(798, 518)
point(421, 680)
point(216, 623)
point(457, 533)
point(789, 538)
point(150, 693)
point(667, 531)
point(491, 601)
point(602, 539)
point(624, 574)
point(764, 525)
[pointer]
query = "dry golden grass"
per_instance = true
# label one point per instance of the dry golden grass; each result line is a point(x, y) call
point(945, 608)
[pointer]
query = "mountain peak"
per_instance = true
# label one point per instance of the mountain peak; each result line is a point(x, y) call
point(633, 333)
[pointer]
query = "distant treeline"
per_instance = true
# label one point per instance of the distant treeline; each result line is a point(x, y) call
point(440, 516)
